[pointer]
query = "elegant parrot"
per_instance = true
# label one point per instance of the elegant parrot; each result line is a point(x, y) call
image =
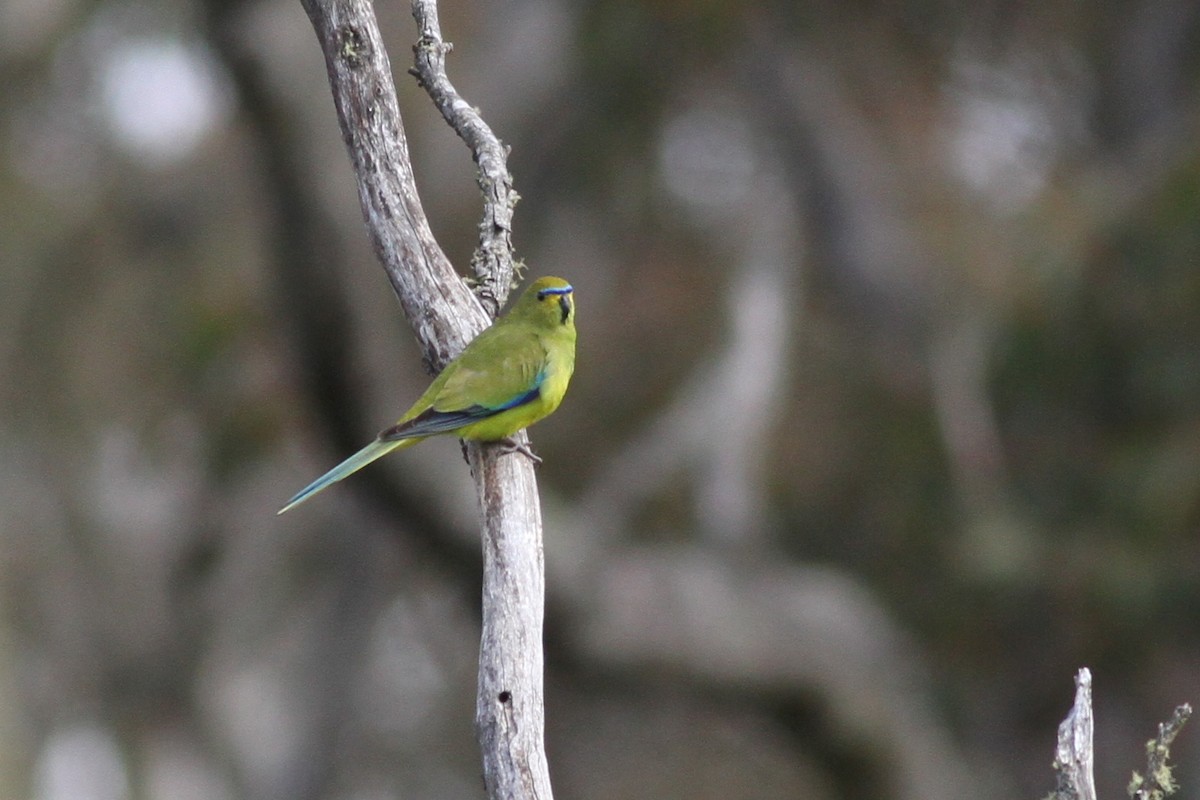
point(509, 377)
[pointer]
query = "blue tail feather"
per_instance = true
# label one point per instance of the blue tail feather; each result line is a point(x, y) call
point(353, 464)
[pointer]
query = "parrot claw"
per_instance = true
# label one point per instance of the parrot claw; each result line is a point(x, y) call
point(507, 445)
point(510, 445)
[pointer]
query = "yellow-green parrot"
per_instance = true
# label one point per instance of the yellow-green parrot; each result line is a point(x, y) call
point(507, 378)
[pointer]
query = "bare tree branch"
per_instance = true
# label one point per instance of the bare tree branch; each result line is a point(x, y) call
point(1073, 755)
point(304, 241)
point(443, 313)
point(509, 717)
point(445, 316)
point(493, 260)
point(1158, 782)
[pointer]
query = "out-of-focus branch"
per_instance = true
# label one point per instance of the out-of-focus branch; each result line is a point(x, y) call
point(493, 260)
point(720, 419)
point(445, 317)
point(771, 632)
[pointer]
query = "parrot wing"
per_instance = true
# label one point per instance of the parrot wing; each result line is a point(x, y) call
point(501, 369)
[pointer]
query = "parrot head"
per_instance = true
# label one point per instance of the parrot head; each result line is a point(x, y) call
point(548, 301)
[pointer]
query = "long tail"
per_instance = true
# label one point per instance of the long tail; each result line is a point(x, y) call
point(354, 463)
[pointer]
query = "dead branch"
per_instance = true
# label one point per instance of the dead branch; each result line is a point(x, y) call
point(445, 316)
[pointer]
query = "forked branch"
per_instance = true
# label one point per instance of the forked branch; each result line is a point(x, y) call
point(445, 316)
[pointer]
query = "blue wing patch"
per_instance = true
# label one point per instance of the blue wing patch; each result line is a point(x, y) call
point(432, 421)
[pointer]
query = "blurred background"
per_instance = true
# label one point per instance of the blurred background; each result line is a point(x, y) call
point(886, 416)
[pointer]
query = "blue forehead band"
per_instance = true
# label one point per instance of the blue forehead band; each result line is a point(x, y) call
point(555, 290)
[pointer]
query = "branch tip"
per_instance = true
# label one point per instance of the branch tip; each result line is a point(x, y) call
point(492, 263)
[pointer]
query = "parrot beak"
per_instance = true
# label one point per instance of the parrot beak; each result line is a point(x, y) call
point(564, 302)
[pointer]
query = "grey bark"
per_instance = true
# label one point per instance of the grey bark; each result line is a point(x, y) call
point(445, 316)
point(1073, 755)
point(1074, 761)
point(493, 265)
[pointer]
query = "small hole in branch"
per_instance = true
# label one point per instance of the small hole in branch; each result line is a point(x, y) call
point(505, 696)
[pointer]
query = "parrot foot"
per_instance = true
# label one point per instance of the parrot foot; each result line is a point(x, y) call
point(510, 445)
